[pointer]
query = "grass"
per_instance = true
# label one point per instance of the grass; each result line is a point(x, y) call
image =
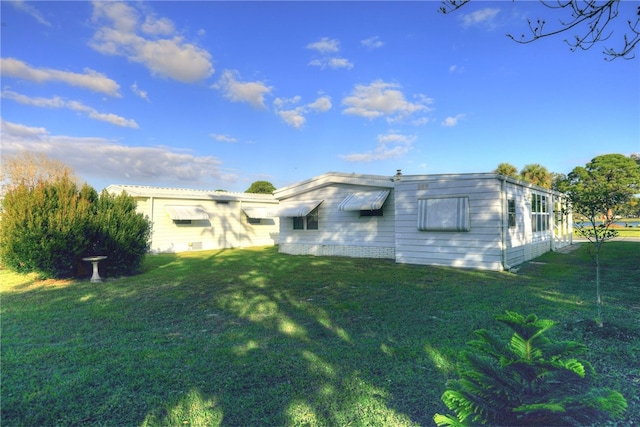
point(254, 337)
point(630, 229)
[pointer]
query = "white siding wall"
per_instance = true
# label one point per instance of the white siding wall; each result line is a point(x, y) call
point(341, 233)
point(523, 244)
point(478, 248)
point(520, 235)
point(265, 233)
point(227, 227)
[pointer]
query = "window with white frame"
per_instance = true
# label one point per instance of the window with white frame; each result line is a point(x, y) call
point(539, 212)
point(511, 211)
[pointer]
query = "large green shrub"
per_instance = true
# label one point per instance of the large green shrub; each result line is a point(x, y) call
point(43, 228)
point(48, 228)
point(527, 380)
point(120, 233)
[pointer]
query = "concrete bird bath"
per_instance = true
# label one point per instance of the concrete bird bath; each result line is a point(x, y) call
point(95, 260)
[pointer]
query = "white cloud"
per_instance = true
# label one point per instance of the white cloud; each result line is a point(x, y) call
point(295, 115)
point(333, 63)
point(484, 17)
point(452, 121)
point(16, 130)
point(223, 138)
point(158, 27)
point(171, 56)
point(139, 92)
point(325, 45)
point(328, 48)
point(382, 99)
point(57, 102)
point(236, 91)
point(389, 146)
point(321, 104)
point(31, 10)
point(109, 161)
point(372, 42)
point(90, 79)
point(339, 63)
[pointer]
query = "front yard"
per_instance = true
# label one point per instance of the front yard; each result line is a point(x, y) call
point(254, 337)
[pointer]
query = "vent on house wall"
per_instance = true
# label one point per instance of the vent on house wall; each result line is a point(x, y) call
point(195, 246)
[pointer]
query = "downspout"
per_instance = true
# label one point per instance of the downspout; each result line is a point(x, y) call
point(554, 224)
point(152, 205)
point(504, 218)
point(569, 219)
point(240, 244)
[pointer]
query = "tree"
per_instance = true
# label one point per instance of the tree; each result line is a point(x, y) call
point(507, 169)
point(43, 228)
point(526, 380)
point(590, 19)
point(556, 180)
point(598, 191)
point(120, 233)
point(49, 228)
point(29, 169)
point(537, 175)
point(261, 187)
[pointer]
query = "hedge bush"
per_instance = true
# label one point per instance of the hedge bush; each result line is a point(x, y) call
point(119, 233)
point(48, 228)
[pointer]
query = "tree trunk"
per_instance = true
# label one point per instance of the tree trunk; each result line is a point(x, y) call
point(598, 297)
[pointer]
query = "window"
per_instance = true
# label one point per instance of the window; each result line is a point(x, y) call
point(539, 213)
point(511, 209)
point(253, 220)
point(312, 220)
point(374, 212)
point(309, 222)
point(182, 221)
point(444, 214)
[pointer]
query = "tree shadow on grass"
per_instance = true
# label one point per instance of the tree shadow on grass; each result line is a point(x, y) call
point(248, 337)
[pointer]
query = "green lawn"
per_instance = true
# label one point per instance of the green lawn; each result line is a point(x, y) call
point(254, 337)
point(631, 228)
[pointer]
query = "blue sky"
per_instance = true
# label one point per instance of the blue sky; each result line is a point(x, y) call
point(216, 95)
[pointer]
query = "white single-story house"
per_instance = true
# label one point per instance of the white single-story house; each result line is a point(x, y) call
point(186, 220)
point(338, 214)
point(483, 221)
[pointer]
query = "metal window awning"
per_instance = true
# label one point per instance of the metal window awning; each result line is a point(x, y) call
point(364, 201)
point(186, 212)
point(293, 209)
point(257, 212)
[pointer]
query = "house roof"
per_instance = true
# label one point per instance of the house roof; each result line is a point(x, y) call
point(183, 193)
point(476, 176)
point(330, 178)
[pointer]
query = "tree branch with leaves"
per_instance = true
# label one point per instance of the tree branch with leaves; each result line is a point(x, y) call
point(590, 21)
point(597, 191)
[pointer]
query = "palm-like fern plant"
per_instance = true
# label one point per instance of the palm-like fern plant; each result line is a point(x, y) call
point(528, 380)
